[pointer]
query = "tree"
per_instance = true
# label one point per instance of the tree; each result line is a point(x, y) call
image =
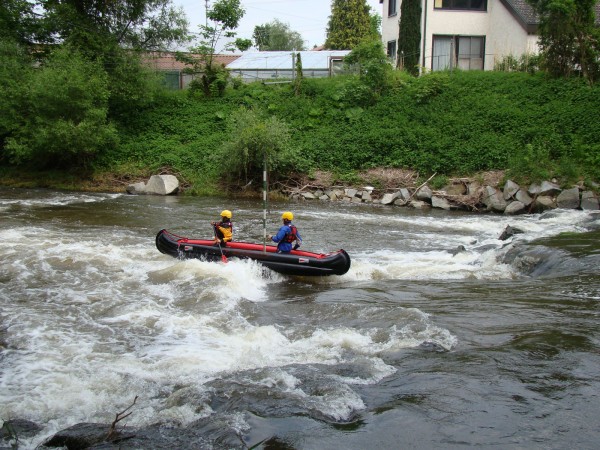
point(275, 36)
point(134, 24)
point(409, 39)
point(349, 24)
point(16, 69)
point(63, 120)
point(569, 40)
point(225, 16)
point(372, 63)
point(375, 25)
point(252, 138)
point(18, 22)
point(116, 33)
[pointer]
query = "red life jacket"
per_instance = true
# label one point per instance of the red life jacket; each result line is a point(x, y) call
point(292, 236)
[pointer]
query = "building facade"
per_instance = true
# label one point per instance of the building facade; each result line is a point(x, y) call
point(466, 34)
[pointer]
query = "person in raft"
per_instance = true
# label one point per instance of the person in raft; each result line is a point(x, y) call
point(223, 229)
point(287, 234)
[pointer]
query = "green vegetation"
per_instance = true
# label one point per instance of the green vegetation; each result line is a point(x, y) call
point(569, 38)
point(409, 38)
point(453, 123)
point(349, 24)
point(87, 109)
point(277, 36)
point(224, 16)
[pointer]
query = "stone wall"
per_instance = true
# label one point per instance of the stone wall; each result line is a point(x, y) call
point(466, 195)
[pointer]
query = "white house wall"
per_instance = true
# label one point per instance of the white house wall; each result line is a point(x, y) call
point(390, 27)
point(503, 34)
point(506, 36)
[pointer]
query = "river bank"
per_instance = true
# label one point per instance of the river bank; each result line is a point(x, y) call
point(489, 191)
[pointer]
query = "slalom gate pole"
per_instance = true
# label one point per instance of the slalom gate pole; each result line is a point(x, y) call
point(265, 202)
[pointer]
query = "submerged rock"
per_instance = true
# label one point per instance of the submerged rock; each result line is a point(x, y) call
point(509, 232)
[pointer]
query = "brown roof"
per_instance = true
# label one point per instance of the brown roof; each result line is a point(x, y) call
point(166, 60)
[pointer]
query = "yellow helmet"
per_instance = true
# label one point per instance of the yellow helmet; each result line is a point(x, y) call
point(226, 213)
point(287, 216)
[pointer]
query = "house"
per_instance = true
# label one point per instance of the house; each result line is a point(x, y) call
point(274, 65)
point(174, 71)
point(468, 34)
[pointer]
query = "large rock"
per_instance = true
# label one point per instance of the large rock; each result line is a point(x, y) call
point(515, 207)
point(440, 202)
point(523, 197)
point(351, 192)
point(86, 435)
point(546, 188)
point(568, 199)
point(332, 195)
point(510, 189)
point(589, 201)
point(162, 185)
point(493, 199)
point(509, 232)
point(136, 188)
point(544, 203)
point(424, 193)
point(388, 199)
point(404, 193)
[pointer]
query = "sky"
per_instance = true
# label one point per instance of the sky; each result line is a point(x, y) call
point(307, 17)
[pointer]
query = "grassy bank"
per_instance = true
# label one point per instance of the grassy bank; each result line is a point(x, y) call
point(453, 124)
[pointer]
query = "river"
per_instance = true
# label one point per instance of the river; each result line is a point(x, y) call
point(417, 346)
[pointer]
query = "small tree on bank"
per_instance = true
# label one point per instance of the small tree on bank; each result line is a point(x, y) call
point(225, 16)
point(254, 137)
point(569, 40)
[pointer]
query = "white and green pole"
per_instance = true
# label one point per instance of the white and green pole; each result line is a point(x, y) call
point(265, 202)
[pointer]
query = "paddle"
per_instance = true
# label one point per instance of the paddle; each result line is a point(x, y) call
point(223, 257)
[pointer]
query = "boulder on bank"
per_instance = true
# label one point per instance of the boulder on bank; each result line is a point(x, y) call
point(547, 188)
point(157, 185)
point(589, 202)
point(440, 202)
point(568, 199)
point(493, 199)
point(515, 207)
point(523, 197)
point(510, 189)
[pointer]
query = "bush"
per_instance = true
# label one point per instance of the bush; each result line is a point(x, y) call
point(63, 119)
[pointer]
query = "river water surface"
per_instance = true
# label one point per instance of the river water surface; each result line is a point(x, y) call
point(417, 346)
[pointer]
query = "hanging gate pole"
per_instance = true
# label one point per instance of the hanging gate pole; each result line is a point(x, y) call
point(265, 202)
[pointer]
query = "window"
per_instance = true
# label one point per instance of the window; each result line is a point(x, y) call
point(464, 52)
point(391, 50)
point(472, 5)
point(393, 7)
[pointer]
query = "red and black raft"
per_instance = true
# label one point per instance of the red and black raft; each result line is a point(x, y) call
point(297, 262)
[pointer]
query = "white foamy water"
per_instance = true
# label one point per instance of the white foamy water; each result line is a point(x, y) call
point(93, 315)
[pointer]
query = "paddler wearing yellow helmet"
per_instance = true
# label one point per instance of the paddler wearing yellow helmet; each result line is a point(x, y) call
point(287, 234)
point(223, 229)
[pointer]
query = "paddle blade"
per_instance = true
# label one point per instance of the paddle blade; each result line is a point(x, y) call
point(224, 258)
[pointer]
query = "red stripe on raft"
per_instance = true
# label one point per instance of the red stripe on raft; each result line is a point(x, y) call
point(250, 246)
